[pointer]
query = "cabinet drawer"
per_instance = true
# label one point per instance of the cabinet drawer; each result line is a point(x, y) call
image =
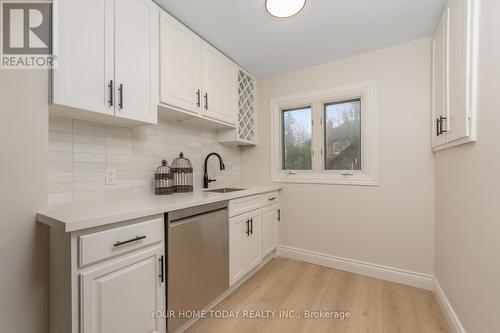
point(270, 198)
point(109, 243)
point(243, 205)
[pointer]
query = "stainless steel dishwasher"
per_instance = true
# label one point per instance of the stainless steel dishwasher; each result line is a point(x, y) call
point(198, 259)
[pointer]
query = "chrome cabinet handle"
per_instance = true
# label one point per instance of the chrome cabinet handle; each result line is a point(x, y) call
point(110, 99)
point(138, 238)
point(198, 98)
point(206, 101)
point(279, 214)
point(120, 103)
point(271, 199)
point(251, 226)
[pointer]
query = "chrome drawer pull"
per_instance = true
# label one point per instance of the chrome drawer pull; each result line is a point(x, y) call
point(138, 238)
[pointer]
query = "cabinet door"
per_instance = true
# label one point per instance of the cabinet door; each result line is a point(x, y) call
point(135, 51)
point(440, 83)
point(120, 296)
point(238, 247)
point(219, 86)
point(180, 65)
point(255, 244)
point(461, 65)
point(270, 216)
point(245, 244)
point(85, 55)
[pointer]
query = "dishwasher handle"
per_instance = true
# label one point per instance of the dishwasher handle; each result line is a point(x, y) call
point(182, 214)
point(197, 218)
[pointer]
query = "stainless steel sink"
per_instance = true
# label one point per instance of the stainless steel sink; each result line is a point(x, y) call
point(225, 190)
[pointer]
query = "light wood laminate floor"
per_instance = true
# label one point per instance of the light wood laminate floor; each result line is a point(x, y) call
point(375, 306)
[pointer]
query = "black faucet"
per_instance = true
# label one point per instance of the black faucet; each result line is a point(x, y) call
point(206, 181)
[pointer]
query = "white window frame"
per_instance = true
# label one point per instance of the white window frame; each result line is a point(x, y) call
point(367, 176)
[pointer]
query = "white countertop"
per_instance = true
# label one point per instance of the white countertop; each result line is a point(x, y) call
point(93, 213)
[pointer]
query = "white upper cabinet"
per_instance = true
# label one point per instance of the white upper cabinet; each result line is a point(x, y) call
point(84, 31)
point(136, 41)
point(107, 60)
point(180, 85)
point(454, 75)
point(440, 82)
point(219, 85)
point(198, 83)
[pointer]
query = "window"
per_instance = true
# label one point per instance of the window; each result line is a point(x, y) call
point(297, 138)
point(326, 136)
point(342, 135)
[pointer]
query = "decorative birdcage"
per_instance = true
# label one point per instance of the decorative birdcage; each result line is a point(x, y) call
point(183, 174)
point(164, 179)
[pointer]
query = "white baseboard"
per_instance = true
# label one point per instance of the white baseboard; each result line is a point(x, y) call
point(451, 316)
point(423, 281)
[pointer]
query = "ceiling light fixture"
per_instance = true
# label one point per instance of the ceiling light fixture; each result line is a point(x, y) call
point(284, 8)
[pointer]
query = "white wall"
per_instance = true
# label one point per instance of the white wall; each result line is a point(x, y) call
point(467, 199)
point(392, 224)
point(81, 151)
point(23, 190)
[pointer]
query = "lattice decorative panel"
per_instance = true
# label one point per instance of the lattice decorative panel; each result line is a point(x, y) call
point(246, 107)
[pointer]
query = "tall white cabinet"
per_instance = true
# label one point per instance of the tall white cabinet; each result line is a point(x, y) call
point(108, 58)
point(454, 62)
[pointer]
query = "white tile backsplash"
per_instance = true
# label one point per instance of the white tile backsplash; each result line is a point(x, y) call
point(81, 151)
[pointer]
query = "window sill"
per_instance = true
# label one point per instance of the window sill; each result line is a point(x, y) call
point(329, 179)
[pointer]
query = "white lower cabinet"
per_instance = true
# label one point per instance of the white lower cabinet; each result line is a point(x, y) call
point(270, 218)
point(108, 279)
point(121, 295)
point(253, 232)
point(245, 248)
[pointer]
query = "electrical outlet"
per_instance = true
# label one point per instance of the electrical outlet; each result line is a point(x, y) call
point(111, 177)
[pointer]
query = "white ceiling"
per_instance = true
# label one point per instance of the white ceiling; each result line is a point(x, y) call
point(325, 30)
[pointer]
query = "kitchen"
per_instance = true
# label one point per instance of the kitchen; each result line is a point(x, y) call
point(264, 166)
